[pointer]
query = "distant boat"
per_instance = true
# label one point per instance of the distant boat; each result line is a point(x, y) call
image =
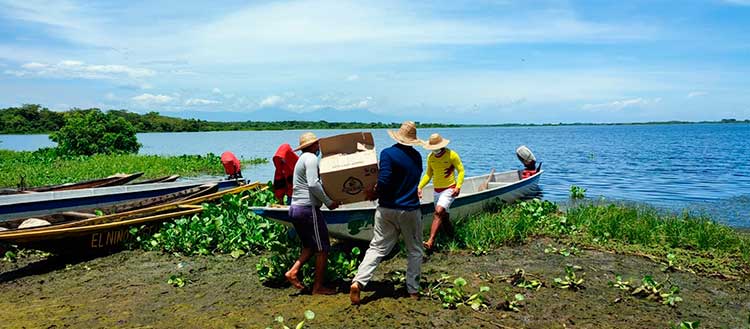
point(114, 180)
point(355, 221)
point(108, 232)
point(45, 203)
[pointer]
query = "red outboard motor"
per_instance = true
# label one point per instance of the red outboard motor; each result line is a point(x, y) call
point(284, 160)
point(232, 166)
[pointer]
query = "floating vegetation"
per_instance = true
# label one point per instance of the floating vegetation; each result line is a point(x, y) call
point(520, 279)
point(577, 192)
point(686, 325)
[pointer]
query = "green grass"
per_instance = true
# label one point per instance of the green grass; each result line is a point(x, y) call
point(700, 244)
point(44, 168)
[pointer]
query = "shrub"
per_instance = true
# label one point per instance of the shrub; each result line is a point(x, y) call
point(93, 132)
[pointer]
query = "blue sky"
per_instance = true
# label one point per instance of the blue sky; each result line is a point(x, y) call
point(451, 61)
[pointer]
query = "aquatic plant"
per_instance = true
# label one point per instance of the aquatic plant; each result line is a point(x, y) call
point(226, 227)
point(577, 192)
point(686, 325)
point(342, 264)
point(512, 304)
point(309, 315)
point(521, 279)
point(572, 250)
point(619, 283)
point(670, 266)
point(571, 280)
point(452, 294)
point(652, 290)
point(177, 280)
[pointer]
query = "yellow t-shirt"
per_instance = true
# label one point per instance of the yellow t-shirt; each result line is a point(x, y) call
point(442, 169)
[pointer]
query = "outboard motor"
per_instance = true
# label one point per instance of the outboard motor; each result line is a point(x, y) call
point(529, 162)
point(284, 160)
point(232, 166)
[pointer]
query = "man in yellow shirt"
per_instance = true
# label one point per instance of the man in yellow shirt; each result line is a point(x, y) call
point(443, 165)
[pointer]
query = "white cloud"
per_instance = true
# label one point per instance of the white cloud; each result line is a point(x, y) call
point(697, 94)
point(149, 98)
point(352, 77)
point(200, 101)
point(622, 104)
point(271, 101)
point(216, 91)
point(79, 69)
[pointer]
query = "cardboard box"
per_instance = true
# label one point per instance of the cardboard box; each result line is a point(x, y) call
point(349, 166)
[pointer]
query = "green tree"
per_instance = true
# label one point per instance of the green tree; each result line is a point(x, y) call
point(91, 132)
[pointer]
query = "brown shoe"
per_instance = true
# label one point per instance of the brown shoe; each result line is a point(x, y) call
point(354, 293)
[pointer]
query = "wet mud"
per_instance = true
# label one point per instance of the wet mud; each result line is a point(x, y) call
point(130, 290)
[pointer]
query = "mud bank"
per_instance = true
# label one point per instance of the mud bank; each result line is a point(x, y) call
point(129, 289)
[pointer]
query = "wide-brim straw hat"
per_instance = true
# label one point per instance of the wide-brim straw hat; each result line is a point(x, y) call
point(406, 135)
point(306, 140)
point(436, 142)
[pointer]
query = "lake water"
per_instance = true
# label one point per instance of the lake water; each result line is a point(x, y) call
point(702, 167)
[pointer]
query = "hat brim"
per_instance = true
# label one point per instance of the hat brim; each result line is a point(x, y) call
point(444, 143)
point(306, 144)
point(404, 141)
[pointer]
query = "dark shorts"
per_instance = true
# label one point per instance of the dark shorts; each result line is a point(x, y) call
point(310, 226)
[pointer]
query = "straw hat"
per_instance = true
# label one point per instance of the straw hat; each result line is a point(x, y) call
point(525, 155)
point(436, 142)
point(406, 135)
point(306, 140)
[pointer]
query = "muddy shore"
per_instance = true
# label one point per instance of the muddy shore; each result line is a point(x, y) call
point(129, 290)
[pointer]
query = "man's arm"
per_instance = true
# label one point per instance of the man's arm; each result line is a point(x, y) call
point(384, 173)
point(313, 180)
point(456, 161)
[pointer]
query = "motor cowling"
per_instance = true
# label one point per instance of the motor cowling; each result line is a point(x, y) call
point(232, 165)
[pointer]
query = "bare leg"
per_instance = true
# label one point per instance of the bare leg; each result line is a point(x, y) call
point(437, 219)
point(291, 275)
point(320, 271)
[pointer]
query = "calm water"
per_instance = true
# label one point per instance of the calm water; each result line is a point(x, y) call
point(704, 168)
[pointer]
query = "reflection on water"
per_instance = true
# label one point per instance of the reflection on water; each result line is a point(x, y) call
point(703, 168)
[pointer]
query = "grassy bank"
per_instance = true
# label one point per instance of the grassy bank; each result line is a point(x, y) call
point(592, 265)
point(44, 168)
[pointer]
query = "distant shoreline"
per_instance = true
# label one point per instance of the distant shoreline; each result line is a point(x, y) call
point(35, 119)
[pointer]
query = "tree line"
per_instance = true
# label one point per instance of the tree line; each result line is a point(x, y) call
point(35, 119)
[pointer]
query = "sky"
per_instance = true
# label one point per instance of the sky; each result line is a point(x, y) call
point(445, 61)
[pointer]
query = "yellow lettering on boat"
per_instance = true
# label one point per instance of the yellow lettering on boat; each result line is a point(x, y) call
point(94, 238)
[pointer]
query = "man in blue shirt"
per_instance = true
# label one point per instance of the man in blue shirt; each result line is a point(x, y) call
point(398, 211)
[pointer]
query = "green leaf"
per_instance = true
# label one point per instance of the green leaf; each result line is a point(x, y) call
point(484, 288)
point(309, 315)
point(237, 253)
point(280, 319)
point(519, 297)
point(459, 282)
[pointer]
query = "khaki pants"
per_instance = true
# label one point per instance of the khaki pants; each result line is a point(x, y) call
point(389, 223)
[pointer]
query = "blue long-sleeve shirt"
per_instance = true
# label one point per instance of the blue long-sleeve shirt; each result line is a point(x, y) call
point(400, 171)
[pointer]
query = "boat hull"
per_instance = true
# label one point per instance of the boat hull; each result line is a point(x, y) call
point(356, 222)
point(45, 203)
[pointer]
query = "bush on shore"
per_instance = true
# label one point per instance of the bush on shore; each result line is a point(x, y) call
point(93, 132)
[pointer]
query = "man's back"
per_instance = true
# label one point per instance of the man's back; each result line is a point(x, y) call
point(400, 171)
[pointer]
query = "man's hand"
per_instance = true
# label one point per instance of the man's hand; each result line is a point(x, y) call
point(419, 193)
point(370, 194)
point(334, 205)
point(456, 192)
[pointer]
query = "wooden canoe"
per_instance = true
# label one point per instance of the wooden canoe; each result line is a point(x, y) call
point(114, 180)
point(163, 179)
point(355, 221)
point(108, 232)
